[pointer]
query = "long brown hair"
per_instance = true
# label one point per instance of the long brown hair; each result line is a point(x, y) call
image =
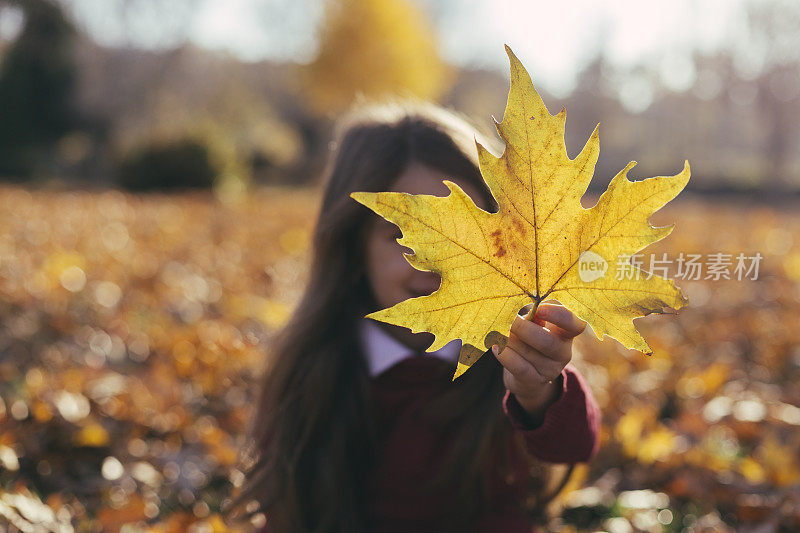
point(312, 442)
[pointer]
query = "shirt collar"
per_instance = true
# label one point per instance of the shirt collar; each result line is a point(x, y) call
point(384, 351)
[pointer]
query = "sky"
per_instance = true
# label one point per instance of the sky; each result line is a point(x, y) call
point(554, 39)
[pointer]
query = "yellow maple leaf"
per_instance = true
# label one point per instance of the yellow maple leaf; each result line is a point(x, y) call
point(541, 244)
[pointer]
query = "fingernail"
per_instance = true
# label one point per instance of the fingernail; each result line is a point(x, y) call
point(495, 349)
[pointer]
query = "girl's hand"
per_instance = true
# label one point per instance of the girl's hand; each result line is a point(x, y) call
point(536, 353)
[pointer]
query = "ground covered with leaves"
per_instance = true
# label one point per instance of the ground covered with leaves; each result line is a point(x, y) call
point(132, 330)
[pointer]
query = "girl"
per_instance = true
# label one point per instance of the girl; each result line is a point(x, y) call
point(356, 428)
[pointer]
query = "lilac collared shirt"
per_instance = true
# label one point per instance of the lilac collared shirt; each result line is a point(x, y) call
point(384, 351)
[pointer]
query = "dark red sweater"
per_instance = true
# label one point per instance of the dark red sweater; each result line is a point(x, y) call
point(409, 453)
point(410, 449)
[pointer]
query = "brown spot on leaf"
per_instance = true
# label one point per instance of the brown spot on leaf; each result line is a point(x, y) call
point(496, 238)
point(500, 252)
point(519, 226)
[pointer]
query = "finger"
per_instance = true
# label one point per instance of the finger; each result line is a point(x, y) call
point(522, 371)
point(536, 336)
point(544, 364)
point(567, 325)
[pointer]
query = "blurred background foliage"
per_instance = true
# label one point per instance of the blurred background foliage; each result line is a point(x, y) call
point(73, 108)
point(374, 48)
point(132, 325)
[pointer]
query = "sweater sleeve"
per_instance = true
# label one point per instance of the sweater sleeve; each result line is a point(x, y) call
point(569, 432)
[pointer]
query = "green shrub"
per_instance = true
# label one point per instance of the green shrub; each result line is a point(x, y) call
point(182, 164)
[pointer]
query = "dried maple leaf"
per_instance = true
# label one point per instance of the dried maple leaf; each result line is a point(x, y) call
point(541, 244)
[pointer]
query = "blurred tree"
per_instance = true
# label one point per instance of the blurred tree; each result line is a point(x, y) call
point(374, 48)
point(773, 43)
point(36, 85)
point(154, 20)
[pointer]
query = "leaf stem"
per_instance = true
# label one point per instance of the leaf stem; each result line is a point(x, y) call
point(532, 312)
